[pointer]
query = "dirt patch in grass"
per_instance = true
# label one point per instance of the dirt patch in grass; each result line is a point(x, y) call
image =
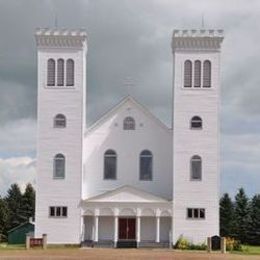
point(117, 254)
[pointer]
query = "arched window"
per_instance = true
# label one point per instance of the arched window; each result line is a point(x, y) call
point(51, 72)
point(146, 165)
point(207, 74)
point(196, 123)
point(59, 166)
point(129, 123)
point(187, 74)
point(60, 72)
point(197, 74)
point(196, 167)
point(110, 158)
point(59, 121)
point(70, 72)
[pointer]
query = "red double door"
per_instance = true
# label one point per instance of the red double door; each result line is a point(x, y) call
point(127, 228)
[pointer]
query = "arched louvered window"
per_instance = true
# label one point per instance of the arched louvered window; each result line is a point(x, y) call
point(59, 121)
point(207, 74)
point(110, 159)
point(196, 123)
point(197, 74)
point(70, 72)
point(59, 166)
point(60, 72)
point(146, 165)
point(129, 123)
point(196, 167)
point(51, 72)
point(187, 74)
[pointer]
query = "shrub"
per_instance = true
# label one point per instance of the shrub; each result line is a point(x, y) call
point(233, 244)
point(184, 244)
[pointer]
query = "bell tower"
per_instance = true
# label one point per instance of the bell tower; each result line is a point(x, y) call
point(61, 59)
point(196, 100)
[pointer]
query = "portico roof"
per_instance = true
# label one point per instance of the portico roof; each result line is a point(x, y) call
point(127, 194)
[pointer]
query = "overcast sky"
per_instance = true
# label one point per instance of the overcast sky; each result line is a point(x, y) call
point(131, 38)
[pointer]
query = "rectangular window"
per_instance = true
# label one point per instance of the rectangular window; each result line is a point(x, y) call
point(196, 213)
point(58, 212)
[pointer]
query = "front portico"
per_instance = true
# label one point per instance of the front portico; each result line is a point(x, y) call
point(126, 217)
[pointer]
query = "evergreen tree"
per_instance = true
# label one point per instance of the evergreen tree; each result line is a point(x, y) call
point(242, 216)
point(254, 228)
point(14, 204)
point(3, 219)
point(28, 202)
point(226, 216)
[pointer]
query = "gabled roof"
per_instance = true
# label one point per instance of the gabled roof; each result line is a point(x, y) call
point(127, 193)
point(129, 99)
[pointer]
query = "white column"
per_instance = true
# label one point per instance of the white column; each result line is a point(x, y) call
point(157, 230)
point(138, 229)
point(115, 230)
point(96, 229)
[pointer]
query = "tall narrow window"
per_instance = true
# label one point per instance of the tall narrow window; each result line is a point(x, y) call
point(59, 121)
point(60, 72)
point(59, 166)
point(207, 74)
point(51, 72)
point(187, 74)
point(197, 74)
point(129, 123)
point(146, 165)
point(196, 167)
point(196, 123)
point(70, 72)
point(110, 159)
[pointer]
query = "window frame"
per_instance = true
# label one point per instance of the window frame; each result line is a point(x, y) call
point(197, 119)
point(57, 209)
point(141, 156)
point(51, 78)
point(193, 159)
point(197, 74)
point(54, 166)
point(200, 215)
point(70, 82)
point(60, 69)
point(187, 77)
point(129, 123)
point(55, 125)
point(106, 155)
point(209, 76)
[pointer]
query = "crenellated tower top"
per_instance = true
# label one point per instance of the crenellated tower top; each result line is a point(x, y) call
point(61, 38)
point(197, 40)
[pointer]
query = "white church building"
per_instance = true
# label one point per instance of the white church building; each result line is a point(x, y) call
point(127, 180)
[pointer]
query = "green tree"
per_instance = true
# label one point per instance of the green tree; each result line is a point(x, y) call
point(28, 202)
point(3, 219)
point(254, 227)
point(14, 204)
point(242, 216)
point(226, 216)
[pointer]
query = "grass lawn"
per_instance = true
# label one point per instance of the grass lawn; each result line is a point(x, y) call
point(250, 250)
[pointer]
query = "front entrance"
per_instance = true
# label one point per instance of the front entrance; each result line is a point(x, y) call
point(126, 232)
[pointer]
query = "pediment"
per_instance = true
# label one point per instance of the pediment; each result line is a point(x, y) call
point(127, 194)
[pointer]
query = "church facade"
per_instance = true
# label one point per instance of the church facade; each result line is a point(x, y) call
point(127, 180)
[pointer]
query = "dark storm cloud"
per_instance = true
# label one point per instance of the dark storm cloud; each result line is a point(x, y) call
point(131, 39)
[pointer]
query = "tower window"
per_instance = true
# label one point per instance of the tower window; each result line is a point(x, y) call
point(196, 123)
point(59, 121)
point(110, 161)
point(59, 212)
point(129, 123)
point(51, 72)
point(146, 165)
point(197, 74)
point(196, 213)
point(70, 72)
point(60, 72)
point(59, 166)
point(207, 74)
point(196, 167)
point(187, 74)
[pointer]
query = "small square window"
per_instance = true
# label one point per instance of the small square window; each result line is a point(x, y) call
point(202, 213)
point(64, 211)
point(189, 213)
point(52, 211)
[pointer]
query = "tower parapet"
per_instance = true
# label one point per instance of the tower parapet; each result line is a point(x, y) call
point(197, 39)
